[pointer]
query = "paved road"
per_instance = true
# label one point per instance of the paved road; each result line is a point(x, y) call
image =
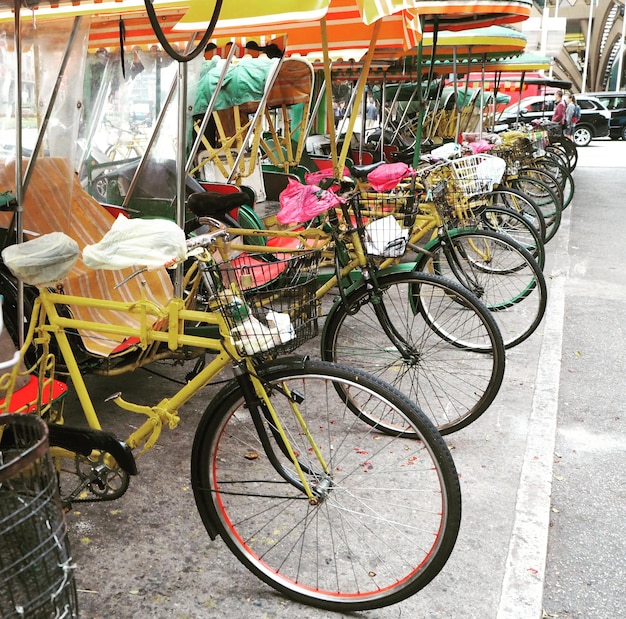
point(543, 495)
point(586, 567)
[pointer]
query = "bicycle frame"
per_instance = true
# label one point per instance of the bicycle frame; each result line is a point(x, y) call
point(165, 325)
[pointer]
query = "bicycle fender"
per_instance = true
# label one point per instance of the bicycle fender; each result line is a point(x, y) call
point(401, 267)
point(86, 440)
point(451, 233)
point(286, 362)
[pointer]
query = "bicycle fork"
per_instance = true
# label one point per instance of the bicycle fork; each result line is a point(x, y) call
point(266, 422)
point(455, 262)
point(376, 299)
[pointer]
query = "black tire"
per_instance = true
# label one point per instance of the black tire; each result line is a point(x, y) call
point(454, 363)
point(583, 135)
point(563, 177)
point(547, 178)
point(557, 153)
point(513, 199)
point(519, 227)
point(570, 149)
point(388, 508)
point(499, 271)
point(544, 197)
point(99, 188)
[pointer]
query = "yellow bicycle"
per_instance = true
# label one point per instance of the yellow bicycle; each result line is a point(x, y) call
point(288, 466)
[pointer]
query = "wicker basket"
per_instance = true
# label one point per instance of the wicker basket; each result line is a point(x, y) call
point(36, 570)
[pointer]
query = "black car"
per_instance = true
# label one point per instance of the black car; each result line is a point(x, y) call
point(594, 122)
point(615, 102)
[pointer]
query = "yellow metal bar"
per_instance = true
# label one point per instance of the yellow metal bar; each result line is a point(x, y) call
point(361, 83)
point(330, 115)
point(262, 393)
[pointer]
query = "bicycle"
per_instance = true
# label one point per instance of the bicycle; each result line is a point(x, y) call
point(426, 335)
point(497, 269)
point(129, 143)
point(539, 173)
point(284, 440)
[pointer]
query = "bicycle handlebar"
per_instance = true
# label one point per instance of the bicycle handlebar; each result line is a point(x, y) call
point(208, 238)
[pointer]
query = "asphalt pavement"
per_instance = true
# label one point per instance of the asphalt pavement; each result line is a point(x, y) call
point(544, 501)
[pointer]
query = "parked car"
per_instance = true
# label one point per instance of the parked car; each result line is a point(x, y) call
point(141, 112)
point(615, 102)
point(594, 122)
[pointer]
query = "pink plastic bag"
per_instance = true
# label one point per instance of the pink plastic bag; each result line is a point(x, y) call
point(480, 146)
point(300, 203)
point(387, 176)
point(314, 178)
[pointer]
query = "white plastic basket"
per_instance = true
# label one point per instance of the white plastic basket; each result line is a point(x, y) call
point(477, 174)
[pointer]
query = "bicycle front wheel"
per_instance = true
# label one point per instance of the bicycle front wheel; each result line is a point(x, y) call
point(517, 226)
point(426, 335)
point(387, 508)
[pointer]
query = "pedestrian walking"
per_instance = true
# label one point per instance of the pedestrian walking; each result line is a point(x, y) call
point(558, 116)
point(571, 115)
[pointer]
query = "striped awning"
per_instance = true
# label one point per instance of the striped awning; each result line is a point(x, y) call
point(347, 26)
point(462, 14)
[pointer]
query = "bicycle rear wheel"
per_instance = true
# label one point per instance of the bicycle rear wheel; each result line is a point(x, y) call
point(517, 226)
point(499, 271)
point(440, 346)
point(388, 508)
point(515, 200)
point(544, 197)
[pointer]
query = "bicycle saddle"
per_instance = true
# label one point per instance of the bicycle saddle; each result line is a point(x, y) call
point(215, 204)
point(361, 171)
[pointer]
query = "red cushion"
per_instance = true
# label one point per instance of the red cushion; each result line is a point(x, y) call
point(24, 400)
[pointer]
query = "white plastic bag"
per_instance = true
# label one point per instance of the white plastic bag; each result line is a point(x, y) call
point(386, 238)
point(451, 150)
point(148, 243)
point(44, 260)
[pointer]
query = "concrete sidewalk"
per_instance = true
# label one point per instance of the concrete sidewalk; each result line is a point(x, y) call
point(148, 555)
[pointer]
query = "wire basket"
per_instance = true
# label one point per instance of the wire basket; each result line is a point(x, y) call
point(269, 303)
point(476, 174)
point(554, 130)
point(517, 154)
point(404, 203)
point(36, 569)
point(454, 186)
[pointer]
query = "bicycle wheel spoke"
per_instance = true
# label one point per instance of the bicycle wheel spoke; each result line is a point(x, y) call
point(449, 367)
point(379, 523)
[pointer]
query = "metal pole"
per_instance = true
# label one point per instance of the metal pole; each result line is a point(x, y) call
point(209, 111)
point(155, 132)
point(96, 114)
point(583, 88)
point(269, 84)
point(622, 48)
point(19, 192)
point(315, 110)
point(53, 98)
point(181, 175)
point(383, 115)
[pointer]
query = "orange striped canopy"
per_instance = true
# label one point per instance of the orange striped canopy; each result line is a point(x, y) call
point(347, 27)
